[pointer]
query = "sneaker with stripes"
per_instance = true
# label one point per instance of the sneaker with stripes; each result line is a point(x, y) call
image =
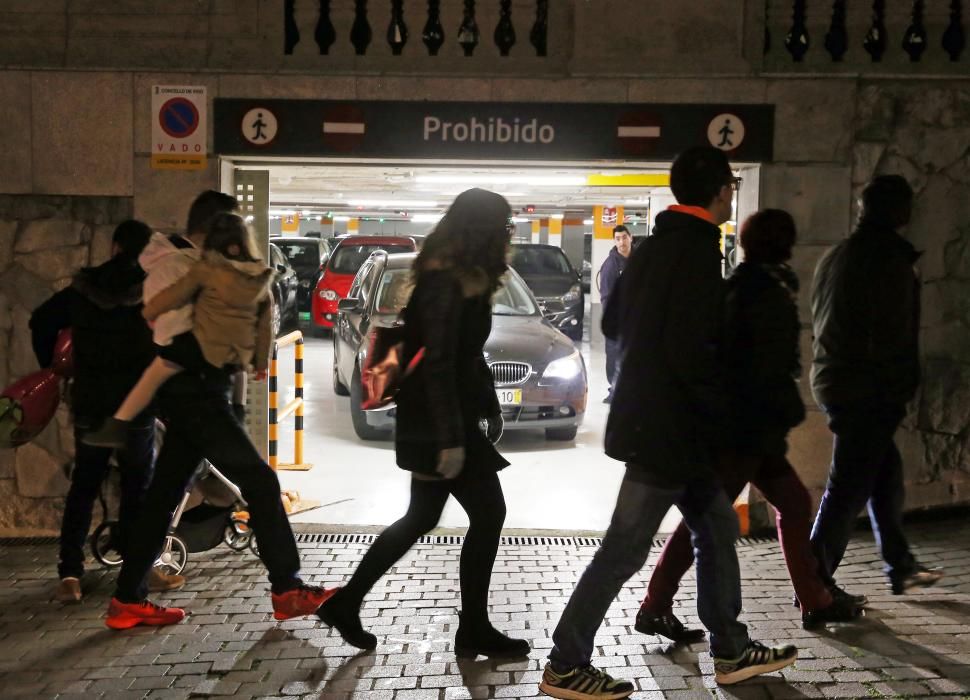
point(754, 661)
point(582, 683)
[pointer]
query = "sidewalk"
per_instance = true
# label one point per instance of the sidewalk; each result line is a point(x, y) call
point(912, 646)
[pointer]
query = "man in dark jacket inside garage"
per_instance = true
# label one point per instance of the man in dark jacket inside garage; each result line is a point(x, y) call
point(112, 346)
point(609, 276)
point(667, 418)
point(865, 313)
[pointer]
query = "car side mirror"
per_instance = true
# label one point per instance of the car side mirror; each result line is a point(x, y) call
point(349, 305)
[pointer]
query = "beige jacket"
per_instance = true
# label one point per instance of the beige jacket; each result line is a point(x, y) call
point(233, 309)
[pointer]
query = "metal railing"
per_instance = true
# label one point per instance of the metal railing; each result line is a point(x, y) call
point(293, 408)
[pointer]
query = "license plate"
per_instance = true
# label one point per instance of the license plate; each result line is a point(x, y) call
point(509, 397)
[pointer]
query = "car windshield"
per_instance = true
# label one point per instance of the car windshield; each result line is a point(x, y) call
point(348, 258)
point(302, 254)
point(528, 260)
point(511, 299)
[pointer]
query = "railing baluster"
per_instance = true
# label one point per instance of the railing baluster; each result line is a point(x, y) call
point(360, 32)
point(325, 34)
point(397, 30)
point(837, 38)
point(433, 35)
point(875, 41)
point(797, 40)
point(291, 33)
point(468, 34)
point(539, 36)
point(914, 40)
point(504, 30)
point(954, 40)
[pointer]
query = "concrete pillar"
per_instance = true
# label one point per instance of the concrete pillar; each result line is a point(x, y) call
point(573, 231)
point(555, 232)
point(536, 230)
point(544, 231)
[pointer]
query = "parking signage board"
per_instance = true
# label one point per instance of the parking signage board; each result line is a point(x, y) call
point(179, 130)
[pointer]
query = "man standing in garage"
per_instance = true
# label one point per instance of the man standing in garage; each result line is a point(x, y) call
point(607, 278)
point(668, 417)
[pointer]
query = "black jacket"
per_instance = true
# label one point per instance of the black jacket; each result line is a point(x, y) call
point(442, 403)
point(112, 344)
point(610, 273)
point(761, 359)
point(669, 403)
point(865, 314)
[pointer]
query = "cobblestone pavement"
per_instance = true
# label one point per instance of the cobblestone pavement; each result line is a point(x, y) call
point(912, 646)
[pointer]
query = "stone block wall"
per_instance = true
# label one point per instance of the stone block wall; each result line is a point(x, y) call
point(44, 240)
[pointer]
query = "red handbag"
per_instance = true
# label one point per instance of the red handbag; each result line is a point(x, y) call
point(382, 374)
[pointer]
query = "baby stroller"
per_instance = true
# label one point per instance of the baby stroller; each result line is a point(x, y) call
point(212, 512)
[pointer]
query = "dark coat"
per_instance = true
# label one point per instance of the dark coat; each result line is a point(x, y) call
point(865, 314)
point(112, 344)
point(443, 402)
point(761, 360)
point(610, 273)
point(669, 407)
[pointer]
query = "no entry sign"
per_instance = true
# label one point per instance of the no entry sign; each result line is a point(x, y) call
point(179, 127)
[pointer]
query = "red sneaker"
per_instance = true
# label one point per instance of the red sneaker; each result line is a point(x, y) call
point(122, 616)
point(299, 601)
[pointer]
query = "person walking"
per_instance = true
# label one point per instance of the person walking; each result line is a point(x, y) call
point(760, 363)
point(865, 314)
point(200, 424)
point(440, 407)
point(608, 276)
point(231, 320)
point(667, 419)
point(111, 346)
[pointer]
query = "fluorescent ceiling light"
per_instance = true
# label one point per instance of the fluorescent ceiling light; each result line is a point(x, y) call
point(341, 218)
point(557, 216)
point(396, 203)
point(588, 222)
point(282, 212)
point(535, 180)
point(427, 218)
point(520, 219)
point(306, 212)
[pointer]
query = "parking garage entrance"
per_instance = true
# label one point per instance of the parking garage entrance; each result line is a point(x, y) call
point(341, 180)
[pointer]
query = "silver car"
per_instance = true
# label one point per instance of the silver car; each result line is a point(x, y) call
point(540, 376)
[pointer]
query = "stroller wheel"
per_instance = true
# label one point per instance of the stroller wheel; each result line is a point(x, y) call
point(237, 535)
point(174, 556)
point(103, 545)
point(253, 546)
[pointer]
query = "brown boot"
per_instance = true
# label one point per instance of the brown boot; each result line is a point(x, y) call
point(68, 590)
point(159, 581)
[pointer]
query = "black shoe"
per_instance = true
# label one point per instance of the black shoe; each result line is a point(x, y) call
point(839, 594)
point(112, 433)
point(754, 661)
point(840, 610)
point(586, 682)
point(920, 577)
point(490, 642)
point(666, 626)
point(346, 621)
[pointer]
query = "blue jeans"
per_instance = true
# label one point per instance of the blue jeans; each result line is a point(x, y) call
point(866, 470)
point(640, 508)
point(90, 470)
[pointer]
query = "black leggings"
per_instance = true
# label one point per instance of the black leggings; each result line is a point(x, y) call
point(480, 494)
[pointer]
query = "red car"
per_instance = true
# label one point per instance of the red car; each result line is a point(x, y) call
point(346, 259)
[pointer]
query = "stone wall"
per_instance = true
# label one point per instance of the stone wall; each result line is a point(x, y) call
point(44, 240)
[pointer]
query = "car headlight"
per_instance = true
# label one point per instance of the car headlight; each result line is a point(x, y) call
point(564, 369)
point(328, 294)
point(574, 294)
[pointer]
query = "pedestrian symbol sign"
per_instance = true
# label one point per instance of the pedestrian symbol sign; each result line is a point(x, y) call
point(726, 131)
point(259, 126)
point(179, 140)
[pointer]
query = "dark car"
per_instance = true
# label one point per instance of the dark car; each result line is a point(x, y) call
point(308, 256)
point(338, 274)
point(539, 374)
point(284, 289)
point(556, 284)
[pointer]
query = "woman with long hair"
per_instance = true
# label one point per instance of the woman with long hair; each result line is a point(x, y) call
point(441, 407)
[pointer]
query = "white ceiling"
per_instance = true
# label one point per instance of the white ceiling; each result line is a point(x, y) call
point(389, 188)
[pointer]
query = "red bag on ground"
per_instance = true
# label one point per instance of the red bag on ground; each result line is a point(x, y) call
point(29, 404)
